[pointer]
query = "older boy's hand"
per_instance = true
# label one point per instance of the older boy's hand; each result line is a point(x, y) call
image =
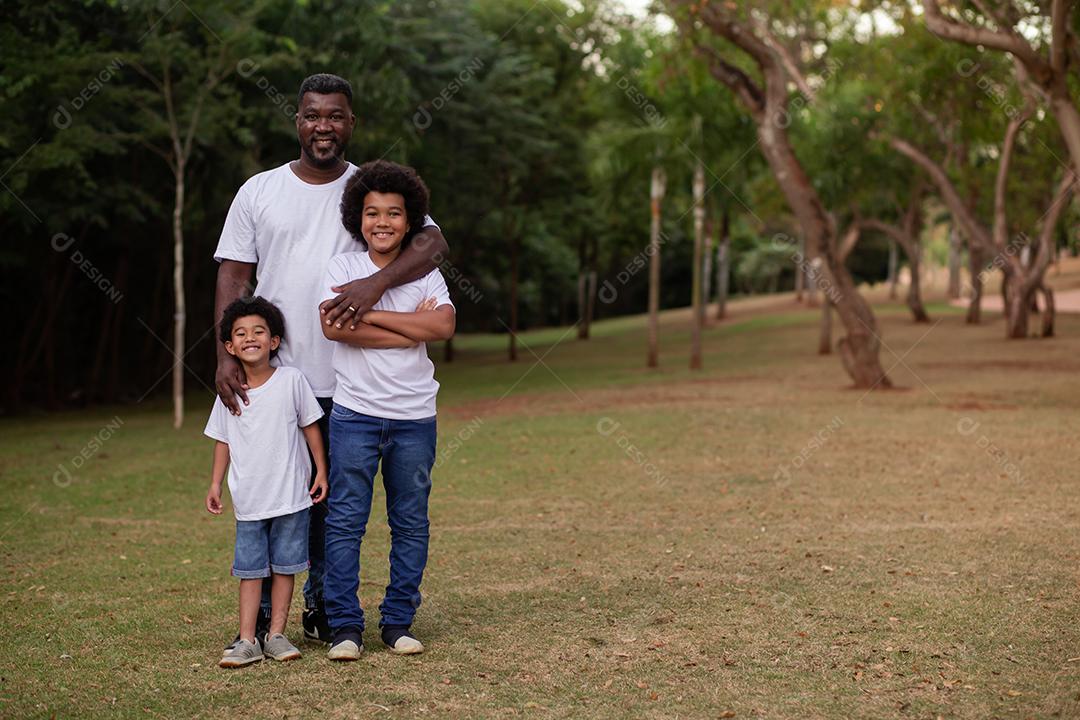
point(319, 489)
point(425, 305)
point(213, 500)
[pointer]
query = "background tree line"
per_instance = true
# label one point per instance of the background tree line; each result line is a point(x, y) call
point(540, 128)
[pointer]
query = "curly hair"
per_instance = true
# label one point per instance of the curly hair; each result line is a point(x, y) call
point(383, 176)
point(242, 307)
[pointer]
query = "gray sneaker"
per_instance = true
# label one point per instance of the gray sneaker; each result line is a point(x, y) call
point(241, 653)
point(278, 647)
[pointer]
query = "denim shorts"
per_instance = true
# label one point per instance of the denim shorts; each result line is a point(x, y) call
point(276, 545)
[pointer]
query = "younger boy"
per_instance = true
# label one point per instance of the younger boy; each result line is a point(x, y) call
point(384, 409)
point(269, 471)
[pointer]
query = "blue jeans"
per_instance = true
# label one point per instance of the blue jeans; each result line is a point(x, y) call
point(407, 451)
point(313, 586)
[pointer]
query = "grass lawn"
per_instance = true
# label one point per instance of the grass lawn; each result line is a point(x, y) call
point(752, 540)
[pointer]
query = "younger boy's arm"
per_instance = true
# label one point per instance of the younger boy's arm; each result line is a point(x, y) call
point(217, 475)
point(367, 336)
point(320, 487)
point(421, 326)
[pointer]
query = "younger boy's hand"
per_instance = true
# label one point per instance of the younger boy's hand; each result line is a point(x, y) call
point(319, 489)
point(425, 305)
point(213, 500)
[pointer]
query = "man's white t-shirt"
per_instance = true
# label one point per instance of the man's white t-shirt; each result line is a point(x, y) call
point(292, 228)
point(390, 383)
point(269, 466)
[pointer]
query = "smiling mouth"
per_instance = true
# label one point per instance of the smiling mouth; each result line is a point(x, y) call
point(324, 142)
point(382, 235)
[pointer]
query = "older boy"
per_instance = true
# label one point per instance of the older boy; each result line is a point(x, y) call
point(384, 410)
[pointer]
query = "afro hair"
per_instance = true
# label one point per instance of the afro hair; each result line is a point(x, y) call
point(242, 307)
point(383, 176)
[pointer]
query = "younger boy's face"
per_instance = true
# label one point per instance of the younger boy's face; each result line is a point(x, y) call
point(384, 222)
point(251, 340)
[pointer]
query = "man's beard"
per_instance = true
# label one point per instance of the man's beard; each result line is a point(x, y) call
point(325, 163)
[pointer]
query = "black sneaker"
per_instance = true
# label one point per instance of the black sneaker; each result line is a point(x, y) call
point(316, 625)
point(262, 627)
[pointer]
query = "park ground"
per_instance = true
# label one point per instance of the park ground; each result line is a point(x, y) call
point(755, 539)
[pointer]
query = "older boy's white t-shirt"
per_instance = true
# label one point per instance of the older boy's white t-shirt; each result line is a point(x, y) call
point(269, 466)
point(391, 383)
point(291, 228)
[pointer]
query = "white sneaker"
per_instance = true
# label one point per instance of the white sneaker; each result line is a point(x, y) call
point(407, 645)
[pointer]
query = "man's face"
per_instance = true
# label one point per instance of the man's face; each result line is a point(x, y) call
point(324, 125)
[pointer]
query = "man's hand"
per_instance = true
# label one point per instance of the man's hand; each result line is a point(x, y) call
point(319, 489)
point(355, 299)
point(231, 381)
point(213, 499)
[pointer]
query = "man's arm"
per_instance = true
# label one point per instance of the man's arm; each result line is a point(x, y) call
point(233, 281)
point(367, 336)
point(422, 326)
point(423, 254)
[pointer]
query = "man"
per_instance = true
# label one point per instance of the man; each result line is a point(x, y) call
point(283, 227)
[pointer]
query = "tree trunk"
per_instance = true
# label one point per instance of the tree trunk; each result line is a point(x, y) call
point(448, 350)
point(723, 264)
point(860, 348)
point(800, 275)
point(1017, 306)
point(590, 303)
point(583, 325)
point(180, 306)
point(707, 267)
point(894, 269)
point(656, 196)
point(514, 248)
point(975, 265)
point(914, 295)
point(696, 301)
point(955, 253)
point(825, 337)
point(1048, 313)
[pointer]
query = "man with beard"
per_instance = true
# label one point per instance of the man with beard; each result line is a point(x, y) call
point(283, 227)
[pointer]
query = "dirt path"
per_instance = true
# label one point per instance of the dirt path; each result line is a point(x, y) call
point(1065, 301)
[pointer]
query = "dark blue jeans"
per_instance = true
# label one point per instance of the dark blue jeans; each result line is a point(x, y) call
point(313, 586)
point(407, 451)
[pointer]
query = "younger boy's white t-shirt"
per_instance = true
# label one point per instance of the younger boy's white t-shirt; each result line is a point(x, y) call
point(269, 466)
point(390, 383)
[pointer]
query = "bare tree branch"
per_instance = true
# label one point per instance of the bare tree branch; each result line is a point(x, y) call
point(1009, 42)
point(1000, 230)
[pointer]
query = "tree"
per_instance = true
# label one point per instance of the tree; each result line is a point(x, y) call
point(766, 99)
point(1021, 280)
point(1047, 73)
point(185, 61)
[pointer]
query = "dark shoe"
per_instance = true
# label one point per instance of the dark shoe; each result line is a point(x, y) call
point(262, 627)
point(347, 645)
point(317, 625)
point(401, 641)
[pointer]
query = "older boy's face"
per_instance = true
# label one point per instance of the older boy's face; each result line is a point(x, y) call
point(384, 222)
point(251, 340)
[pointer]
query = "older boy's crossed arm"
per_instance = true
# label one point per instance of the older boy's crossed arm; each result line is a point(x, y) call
point(427, 324)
